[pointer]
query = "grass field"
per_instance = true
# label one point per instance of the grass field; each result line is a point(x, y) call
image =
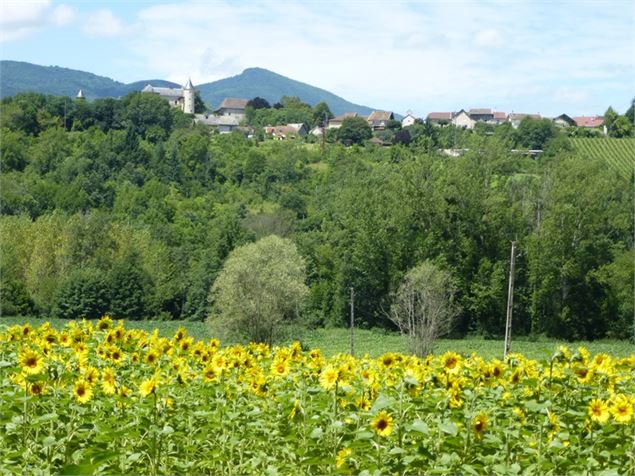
point(618, 153)
point(372, 342)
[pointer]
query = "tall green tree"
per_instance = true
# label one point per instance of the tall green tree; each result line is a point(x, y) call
point(261, 286)
point(354, 130)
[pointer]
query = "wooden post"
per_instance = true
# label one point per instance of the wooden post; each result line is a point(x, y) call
point(510, 303)
point(352, 321)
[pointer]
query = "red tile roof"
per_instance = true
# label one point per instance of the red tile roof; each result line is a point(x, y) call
point(440, 116)
point(586, 121)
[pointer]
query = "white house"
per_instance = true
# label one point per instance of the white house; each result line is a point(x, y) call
point(463, 119)
point(182, 98)
point(224, 124)
point(408, 119)
point(232, 107)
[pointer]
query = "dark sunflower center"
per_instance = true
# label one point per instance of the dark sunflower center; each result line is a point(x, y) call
point(382, 424)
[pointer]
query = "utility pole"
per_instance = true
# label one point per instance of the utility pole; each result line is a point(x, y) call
point(352, 321)
point(326, 120)
point(510, 303)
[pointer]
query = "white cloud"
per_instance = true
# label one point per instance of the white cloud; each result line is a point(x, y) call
point(489, 38)
point(20, 19)
point(421, 56)
point(571, 95)
point(63, 15)
point(103, 23)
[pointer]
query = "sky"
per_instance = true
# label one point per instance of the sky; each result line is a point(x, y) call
point(541, 56)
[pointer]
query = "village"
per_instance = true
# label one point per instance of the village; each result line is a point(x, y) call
point(231, 114)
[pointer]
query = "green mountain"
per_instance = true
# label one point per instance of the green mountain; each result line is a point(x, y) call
point(18, 76)
point(271, 86)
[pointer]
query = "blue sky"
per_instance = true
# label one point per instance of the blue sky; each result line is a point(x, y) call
point(540, 56)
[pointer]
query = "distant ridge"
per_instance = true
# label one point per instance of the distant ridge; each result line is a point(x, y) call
point(19, 76)
point(271, 86)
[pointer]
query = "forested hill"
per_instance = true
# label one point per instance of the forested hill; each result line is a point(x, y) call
point(124, 206)
point(17, 76)
point(272, 86)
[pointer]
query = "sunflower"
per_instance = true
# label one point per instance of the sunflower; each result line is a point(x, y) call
point(296, 411)
point(280, 368)
point(32, 363)
point(148, 386)
point(341, 458)
point(36, 388)
point(26, 330)
point(480, 424)
point(451, 362)
point(622, 408)
point(382, 423)
point(151, 357)
point(387, 360)
point(328, 378)
point(599, 411)
point(210, 374)
point(108, 382)
point(83, 391)
point(91, 374)
point(116, 355)
point(104, 323)
point(180, 334)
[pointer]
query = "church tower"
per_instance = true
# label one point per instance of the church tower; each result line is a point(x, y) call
point(188, 97)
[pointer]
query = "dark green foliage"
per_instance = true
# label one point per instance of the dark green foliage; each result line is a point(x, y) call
point(534, 133)
point(199, 105)
point(15, 299)
point(84, 293)
point(354, 130)
point(130, 289)
point(258, 103)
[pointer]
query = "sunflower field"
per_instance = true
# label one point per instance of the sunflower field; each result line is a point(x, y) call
point(97, 398)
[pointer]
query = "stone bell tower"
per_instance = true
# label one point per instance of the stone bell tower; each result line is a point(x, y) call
point(188, 97)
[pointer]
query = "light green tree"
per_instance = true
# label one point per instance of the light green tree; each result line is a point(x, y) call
point(261, 286)
point(424, 307)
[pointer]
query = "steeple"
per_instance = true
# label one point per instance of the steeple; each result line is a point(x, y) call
point(188, 97)
point(80, 94)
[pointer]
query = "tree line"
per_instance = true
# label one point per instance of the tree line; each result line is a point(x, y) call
point(125, 206)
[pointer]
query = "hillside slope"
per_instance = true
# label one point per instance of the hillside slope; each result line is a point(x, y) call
point(19, 76)
point(271, 86)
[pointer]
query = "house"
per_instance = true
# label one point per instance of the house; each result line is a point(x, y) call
point(288, 131)
point(589, 121)
point(439, 118)
point(182, 98)
point(336, 122)
point(463, 119)
point(223, 124)
point(563, 121)
point(481, 115)
point(232, 107)
point(498, 118)
point(378, 120)
point(317, 131)
point(516, 118)
point(408, 119)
